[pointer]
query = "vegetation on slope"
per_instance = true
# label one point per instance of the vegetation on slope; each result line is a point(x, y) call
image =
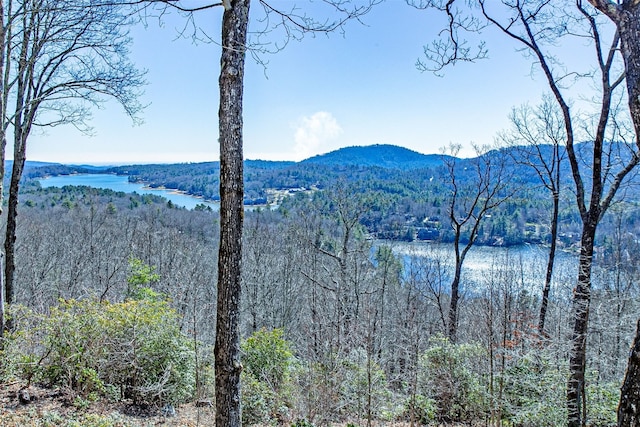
point(336, 327)
point(403, 203)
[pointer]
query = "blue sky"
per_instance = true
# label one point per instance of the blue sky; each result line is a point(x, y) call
point(322, 93)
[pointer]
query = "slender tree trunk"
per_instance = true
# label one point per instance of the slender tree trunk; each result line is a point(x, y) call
point(629, 408)
point(453, 306)
point(552, 256)
point(627, 19)
point(21, 126)
point(626, 16)
point(3, 322)
point(581, 301)
point(12, 216)
point(3, 143)
point(227, 345)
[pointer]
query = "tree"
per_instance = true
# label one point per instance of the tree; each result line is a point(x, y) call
point(626, 17)
point(599, 168)
point(471, 199)
point(343, 250)
point(389, 268)
point(628, 410)
point(234, 44)
point(537, 137)
point(61, 58)
point(3, 143)
point(227, 348)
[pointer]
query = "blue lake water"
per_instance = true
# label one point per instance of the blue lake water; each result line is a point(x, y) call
point(121, 183)
point(522, 266)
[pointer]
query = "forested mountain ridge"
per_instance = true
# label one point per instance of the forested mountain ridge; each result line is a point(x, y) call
point(405, 192)
point(379, 162)
point(379, 155)
point(28, 165)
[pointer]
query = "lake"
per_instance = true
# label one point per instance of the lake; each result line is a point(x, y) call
point(525, 265)
point(121, 183)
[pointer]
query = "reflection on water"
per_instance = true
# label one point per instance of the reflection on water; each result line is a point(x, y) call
point(524, 266)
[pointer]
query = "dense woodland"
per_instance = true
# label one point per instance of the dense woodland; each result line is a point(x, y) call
point(337, 325)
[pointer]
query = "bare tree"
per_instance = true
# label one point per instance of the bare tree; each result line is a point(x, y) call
point(471, 199)
point(271, 285)
point(294, 23)
point(626, 17)
point(538, 26)
point(537, 138)
point(62, 57)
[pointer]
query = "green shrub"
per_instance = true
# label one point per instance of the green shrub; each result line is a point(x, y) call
point(535, 393)
point(140, 277)
point(420, 409)
point(363, 382)
point(450, 378)
point(74, 343)
point(18, 354)
point(301, 422)
point(259, 401)
point(152, 359)
point(602, 403)
point(266, 378)
point(267, 356)
point(54, 419)
point(535, 390)
point(132, 349)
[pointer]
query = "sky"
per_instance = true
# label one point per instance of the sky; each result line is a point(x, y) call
point(356, 88)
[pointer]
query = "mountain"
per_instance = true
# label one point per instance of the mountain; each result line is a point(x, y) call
point(8, 165)
point(379, 155)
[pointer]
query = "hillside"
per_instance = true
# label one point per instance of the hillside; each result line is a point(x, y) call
point(29, 164)
point(326, 286)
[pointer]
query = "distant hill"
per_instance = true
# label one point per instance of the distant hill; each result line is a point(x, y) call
point(380, 155)
point(28, 164)
point(92, 167)
point(42, 169)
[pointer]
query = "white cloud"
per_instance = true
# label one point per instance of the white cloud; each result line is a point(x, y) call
point(312, 131)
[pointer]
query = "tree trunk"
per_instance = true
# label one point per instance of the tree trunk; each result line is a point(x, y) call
point(3, 322)
point(21, 126)
point(629, 408)
point(626, 16)
point(3, 143)
point(227, 345)
point(581, 301)
point(629, 29)
point(453, 306)
point(552, 256)
point(12, 216)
